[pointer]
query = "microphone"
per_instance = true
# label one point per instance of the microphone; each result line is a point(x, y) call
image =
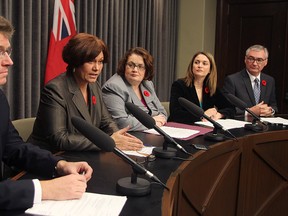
point(128, 186)
point(198, 112)
point(150, 123)
point(243, 106)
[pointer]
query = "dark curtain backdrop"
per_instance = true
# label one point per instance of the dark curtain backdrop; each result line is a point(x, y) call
point(122, 24)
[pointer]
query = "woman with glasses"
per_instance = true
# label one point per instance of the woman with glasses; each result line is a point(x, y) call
point(251, 85)
point(132, 83)
point(200, 87)
point(77, 93)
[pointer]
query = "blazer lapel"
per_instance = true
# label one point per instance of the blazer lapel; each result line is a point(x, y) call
point(78, 99)
point(247, 82)
point(135, 100)
point(146, 93)
point(262, 88)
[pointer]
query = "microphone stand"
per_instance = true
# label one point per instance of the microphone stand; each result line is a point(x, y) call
point(254, 126)
point(214, 135)
point(133, 186)
point(165, 151)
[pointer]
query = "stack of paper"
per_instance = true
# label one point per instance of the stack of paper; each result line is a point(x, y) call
point(276, 120)
point(90, 204)
point(226, 123)
point(174, 132)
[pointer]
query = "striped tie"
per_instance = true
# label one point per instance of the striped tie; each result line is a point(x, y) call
point(256, 90)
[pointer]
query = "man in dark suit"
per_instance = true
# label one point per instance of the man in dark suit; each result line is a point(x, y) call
point(252, 86)
point(14, 152)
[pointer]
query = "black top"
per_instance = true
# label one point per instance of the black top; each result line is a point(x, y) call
point(180, 114)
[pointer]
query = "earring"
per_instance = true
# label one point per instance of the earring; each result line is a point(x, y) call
point(73, 70)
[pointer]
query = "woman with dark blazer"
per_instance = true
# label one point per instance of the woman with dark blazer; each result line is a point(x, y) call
point(200, 87)
point(77, 93)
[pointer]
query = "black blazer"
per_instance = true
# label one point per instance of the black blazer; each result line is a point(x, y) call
point(14, 152)
point(180, 114)
point(61, 99)
point(239, 84)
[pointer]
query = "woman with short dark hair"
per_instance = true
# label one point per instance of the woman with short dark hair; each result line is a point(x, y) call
point(132, 83)
point(77, 93)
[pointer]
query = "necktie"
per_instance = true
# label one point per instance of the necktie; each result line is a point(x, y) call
point(256, 90)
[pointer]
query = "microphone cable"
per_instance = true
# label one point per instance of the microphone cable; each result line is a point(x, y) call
point(231, 134)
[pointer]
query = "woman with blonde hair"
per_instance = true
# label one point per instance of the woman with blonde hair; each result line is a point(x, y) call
point(200, 87)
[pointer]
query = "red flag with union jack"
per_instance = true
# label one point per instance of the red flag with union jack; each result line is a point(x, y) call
point(64, 27)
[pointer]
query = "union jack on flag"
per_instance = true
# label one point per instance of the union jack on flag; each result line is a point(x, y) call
point(64, 27)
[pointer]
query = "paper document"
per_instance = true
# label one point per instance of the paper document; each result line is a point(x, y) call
point(174, 132)
point(226, 123)
point(276, 120)
point(90, 204)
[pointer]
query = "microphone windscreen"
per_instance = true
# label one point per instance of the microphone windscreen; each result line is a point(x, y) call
point(236, 101)
point(94, 134)
point(142, 116)
point(191, 107)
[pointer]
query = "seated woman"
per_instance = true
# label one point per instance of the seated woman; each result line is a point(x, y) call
point(200, 87)
point(77, 93)
point(132, 83)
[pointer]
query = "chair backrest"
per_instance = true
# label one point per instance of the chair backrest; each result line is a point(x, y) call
point(165, 104)
point(24, 127)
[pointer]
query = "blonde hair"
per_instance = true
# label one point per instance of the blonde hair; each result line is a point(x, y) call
point(211, 79)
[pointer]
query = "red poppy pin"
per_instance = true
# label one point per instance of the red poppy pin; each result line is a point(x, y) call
point(206, 90)
point(146, 93)
point(93, 99)
point(264, 82)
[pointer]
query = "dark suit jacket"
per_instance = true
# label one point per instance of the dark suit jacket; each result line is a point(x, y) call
point(239, 84)
point(14, 152)
point(61, 99)
point(180, 114)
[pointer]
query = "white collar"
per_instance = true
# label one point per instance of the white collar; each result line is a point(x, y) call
point(252, 78)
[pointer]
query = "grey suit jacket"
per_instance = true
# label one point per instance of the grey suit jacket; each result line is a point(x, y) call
point(239, 84)
point(61, 99)
point(117, 91)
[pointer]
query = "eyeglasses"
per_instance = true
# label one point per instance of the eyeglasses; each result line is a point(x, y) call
point(3, 52)
point(132, 65)
point(146, 159)
point(251, 59)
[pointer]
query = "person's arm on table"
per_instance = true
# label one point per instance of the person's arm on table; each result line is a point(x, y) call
point(70, 186)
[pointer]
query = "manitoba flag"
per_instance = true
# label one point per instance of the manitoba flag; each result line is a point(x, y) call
point(64, 27)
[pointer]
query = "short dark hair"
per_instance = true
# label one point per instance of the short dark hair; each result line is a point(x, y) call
point(148, 61)
point(83, 48)
point(6, 27)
